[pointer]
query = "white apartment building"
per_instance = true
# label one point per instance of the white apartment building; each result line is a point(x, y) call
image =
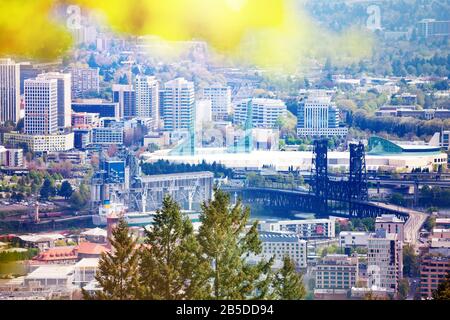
point(384, 260)
point(220, 97)
point(203, 113)
point(84, 81)
point(264, 113)
point(147, 97)
point(281, 244)
point(41, 106)
point(178, 105)
point(64, 92)
point(9, 91)
point(41, 143)
point(351, 239)
point(305, 229)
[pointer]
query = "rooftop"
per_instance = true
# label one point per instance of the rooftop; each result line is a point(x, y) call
point(52, 271)
point(388, 218)
point(266, 236)
point(87, 262)
point(90, 248)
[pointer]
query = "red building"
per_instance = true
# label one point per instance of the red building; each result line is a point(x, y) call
point(433, 270)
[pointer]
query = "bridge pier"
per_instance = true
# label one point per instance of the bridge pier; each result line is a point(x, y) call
point(416, 193)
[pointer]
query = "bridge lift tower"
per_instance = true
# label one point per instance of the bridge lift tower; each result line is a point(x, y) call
point(320, 175)
point(357, 181)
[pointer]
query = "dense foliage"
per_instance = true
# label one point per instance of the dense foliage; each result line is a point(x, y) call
point(165, 167)
point(175, 263)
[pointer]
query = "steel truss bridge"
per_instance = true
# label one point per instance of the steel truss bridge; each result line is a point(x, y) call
point(345, 196)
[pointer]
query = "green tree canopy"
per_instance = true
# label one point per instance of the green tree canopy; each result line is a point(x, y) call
point(226, 244)
point(117, 273)
point(288, 282)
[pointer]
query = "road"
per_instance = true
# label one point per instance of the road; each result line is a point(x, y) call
point(412, 226)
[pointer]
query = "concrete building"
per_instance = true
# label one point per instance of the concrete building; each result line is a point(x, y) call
point(125, 96)
point(41, 106)
point(336, 274)
point(28, 71)
point(147, 97)
point(384, 260)
point(40, 143)
point(305, 229)
point(107, 136)
point(433, 270)
point(353, 239)
point(9, 91)
point(178, 105)
point(318, 116)
point(391, 224)
point(82, 120)
point(264, 112)
point(85, 81)
point(301, 160)
point(430, 28)
point(12, 158)
point(85, 271)
point(220, 97)
point(51, 276)
point(203, 113)
point(98, 106)
point(281, 244)
point(64, 95)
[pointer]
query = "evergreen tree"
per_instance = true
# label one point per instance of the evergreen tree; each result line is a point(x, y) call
point(66, 190)
point(288, 284)
point(47, 189)
point(226, 245)
point(117, 273)
point(169, 264)
point(443, 290)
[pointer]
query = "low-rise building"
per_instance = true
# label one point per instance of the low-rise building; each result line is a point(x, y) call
point(281, 244)
point(306, 229)
point(336, 274)
point(85, 271)
point(40, 143)
point(107, 136)
point(51, 276)
point(352, 239)
point(40, 241)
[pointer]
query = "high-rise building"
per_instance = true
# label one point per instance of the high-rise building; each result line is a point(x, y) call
point(28, 71)
point(85, 81)
point(202, 113)
point(220, 97)
point(178, 105)
point(147, 97)
point(265, 112)
point(125, 96)
point(317, 116)
point(384, 260)
point(64, 96)
point(41, 106)
point(9, 91)
point(427, 28)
